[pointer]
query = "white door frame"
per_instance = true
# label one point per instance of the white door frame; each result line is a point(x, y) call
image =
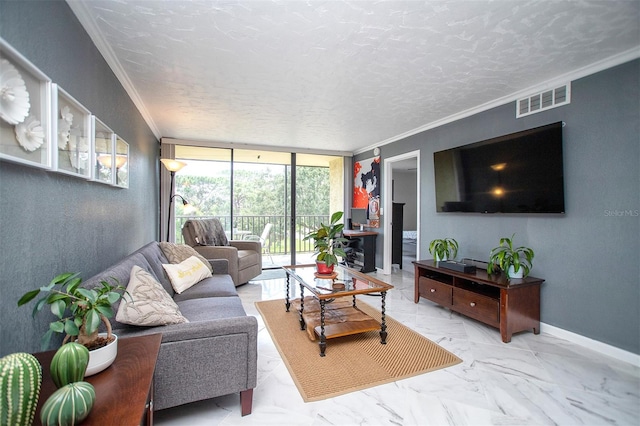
point(388, 206)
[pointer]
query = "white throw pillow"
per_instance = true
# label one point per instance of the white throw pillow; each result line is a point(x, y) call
point(147, 303)
point(185, 274)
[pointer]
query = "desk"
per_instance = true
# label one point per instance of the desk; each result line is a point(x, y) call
point(124, 391)
point(366, 248)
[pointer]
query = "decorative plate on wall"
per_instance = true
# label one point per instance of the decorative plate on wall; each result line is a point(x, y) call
point(71, 124)
point(25, 110)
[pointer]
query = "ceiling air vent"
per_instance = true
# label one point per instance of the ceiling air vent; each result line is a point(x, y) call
point(544, 100)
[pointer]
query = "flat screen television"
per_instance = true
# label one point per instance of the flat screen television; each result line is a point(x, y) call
point(516, 173)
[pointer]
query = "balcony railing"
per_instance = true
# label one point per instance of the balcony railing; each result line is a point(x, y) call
point(238, 227)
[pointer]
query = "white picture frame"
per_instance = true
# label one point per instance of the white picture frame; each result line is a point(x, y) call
point(72, 131)
point(121, 164)
point(103, 142)
point(25, 111)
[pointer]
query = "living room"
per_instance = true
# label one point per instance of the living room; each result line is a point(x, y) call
point(588, 256)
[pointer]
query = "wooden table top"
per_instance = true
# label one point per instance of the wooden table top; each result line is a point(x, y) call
point(122, 389)
point(358, 233)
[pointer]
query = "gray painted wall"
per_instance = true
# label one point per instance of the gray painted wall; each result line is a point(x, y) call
point(52, 223)
point(590, 256)
point(405, 189)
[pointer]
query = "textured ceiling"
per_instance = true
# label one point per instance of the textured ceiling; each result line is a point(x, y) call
point(341, 75)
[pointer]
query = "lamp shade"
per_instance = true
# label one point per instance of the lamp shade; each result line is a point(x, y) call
point(173, 165)
point(106, 160)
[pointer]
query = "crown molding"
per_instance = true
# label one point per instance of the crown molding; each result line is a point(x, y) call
point(79, 8)
point(593, 68)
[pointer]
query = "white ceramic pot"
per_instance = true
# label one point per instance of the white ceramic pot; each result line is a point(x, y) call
point(513, 274)
point(100, 359)
point(444, 258)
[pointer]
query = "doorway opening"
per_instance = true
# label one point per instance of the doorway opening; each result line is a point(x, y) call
point(405, 170)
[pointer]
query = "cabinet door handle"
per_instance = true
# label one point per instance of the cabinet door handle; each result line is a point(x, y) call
point(432, 290)
point(472, 304)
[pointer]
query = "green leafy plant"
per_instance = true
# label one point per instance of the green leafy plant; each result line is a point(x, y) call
point(328, 241)
point(443, 249)
point(505, 255)
point(79, 310)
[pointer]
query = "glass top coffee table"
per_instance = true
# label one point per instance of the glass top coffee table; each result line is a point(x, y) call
point(328, 310)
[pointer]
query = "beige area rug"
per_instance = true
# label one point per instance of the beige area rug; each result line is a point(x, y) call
point(353, 362)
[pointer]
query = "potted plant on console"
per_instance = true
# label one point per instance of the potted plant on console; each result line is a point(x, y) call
point(444, 249)
point(79, 312)
point(328, 244)
point(516, 263)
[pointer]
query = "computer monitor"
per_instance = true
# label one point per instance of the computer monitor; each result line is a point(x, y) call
point(358, 217)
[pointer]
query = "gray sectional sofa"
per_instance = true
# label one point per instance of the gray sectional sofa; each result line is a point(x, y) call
point(214, 354)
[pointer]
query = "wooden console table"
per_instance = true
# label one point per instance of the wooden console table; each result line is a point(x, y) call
point(511, 306)
point(124, 391)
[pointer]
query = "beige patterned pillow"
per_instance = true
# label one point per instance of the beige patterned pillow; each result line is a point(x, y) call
point(186, 274)
point(176, 253)
point(148, 303)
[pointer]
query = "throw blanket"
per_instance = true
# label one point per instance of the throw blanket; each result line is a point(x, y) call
point(209, 232)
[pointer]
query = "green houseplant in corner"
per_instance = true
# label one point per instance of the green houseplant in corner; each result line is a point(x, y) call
point(444, 249)
point(79, 312)
point(515, 262)
point(328, 243)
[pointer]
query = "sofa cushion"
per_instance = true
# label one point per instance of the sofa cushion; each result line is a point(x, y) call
point(121, 272)
point(186, 273)
point(211, 308)
point(147, 303)
point(177, 253)
point(216, 286)
point(156, 258)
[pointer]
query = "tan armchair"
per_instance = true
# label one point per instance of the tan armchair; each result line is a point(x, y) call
point(245, 257)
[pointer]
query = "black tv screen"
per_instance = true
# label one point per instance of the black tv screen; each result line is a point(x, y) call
point(517, 173)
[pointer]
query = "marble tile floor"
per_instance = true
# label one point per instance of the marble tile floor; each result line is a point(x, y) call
point(534, 380)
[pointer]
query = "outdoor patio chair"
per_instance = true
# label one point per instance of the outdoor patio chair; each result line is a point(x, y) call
point(263, 238)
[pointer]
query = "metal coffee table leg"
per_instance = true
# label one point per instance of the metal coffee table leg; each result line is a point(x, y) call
point(383, 326)
point(323, 339)
point(287, 303)
point(303, 325)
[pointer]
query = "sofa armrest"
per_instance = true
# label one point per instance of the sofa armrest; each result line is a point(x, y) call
point(218, 327)
point(219, 252)
point(187, 331)
point(220, 266)
point(222, 252)
point(247, 245)
point(225, 349)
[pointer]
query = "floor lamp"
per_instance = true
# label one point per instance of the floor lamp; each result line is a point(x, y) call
point(173, 166)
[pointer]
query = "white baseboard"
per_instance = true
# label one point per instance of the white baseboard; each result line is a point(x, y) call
point(603, 348)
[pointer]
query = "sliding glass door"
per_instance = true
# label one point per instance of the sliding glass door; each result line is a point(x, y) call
point(318, 193)
point(274, 197)
point(260, 202)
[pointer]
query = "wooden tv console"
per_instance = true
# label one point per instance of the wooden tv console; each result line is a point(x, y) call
point(511, 306)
